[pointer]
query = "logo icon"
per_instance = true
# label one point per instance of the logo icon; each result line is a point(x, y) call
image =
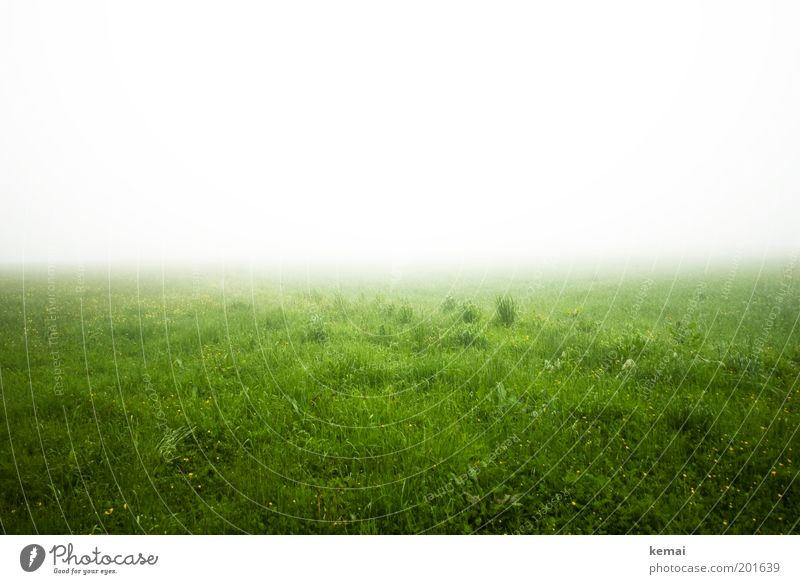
point(31, 557)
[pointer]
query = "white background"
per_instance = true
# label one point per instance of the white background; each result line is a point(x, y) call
point(398, 131)
point(371, 559)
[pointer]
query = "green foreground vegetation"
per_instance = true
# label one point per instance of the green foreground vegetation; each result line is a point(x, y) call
point(212, 402)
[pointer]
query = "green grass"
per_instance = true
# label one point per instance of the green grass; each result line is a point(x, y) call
point(646, 403)
point(506, 310)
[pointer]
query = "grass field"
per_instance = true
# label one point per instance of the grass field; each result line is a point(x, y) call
point(212, 402)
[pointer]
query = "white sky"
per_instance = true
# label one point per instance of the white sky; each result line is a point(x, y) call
point(402, 130)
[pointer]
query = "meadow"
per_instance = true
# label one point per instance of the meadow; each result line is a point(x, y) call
point(237, 401)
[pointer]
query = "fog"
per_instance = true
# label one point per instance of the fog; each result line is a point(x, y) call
point(416, 131)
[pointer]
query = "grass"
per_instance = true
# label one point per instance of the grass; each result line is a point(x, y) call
point(506, 310)
point(649, 403)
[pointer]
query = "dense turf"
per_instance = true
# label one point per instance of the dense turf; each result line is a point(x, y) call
point(627, 403)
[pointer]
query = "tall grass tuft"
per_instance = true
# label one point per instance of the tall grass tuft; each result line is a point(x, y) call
point(506, 310)
point(470, 313)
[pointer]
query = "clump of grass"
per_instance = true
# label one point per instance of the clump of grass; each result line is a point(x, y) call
point(405, 314)
point(506, 310)
point(689, 334)
point(315, 331)
point(340, 304)
point(423, 337)
point(469, 335)
point(448, 304)
point(470, 312)
point(505, 398)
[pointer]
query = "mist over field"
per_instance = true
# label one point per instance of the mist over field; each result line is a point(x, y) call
point(432, 132)
point(425, 267)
